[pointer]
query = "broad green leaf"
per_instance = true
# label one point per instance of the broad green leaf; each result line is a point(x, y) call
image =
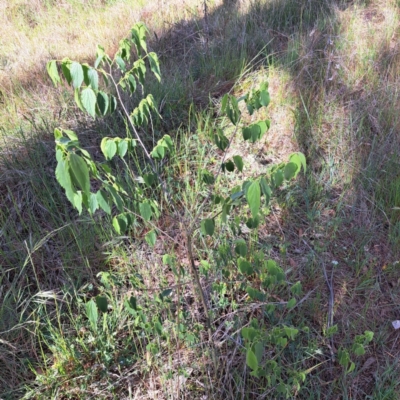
point(264, 98)
point(296, 289)
point(352, 367)
point(266, 190)
point(102, 103)
point(112, 105)
point(65, 67)
point(291, 333)
point(299, 159)
point(245, 267)
point(93, 203)
point(249, 333)
point(102, 303)
point(52, 70)
point(255, 294)
point(102, 201)
point(278, 178)
point(132, 83)
point(369, 335)
point(149, 179)
point(230, 166)
point(139, 70)
point(133, 302)
point(122, 148)
point(145, 211)
point(263, 127)
point(71, 134)
point(151, 238)
point(208, 226)
point(251, 360)
point(120, 223)
point(92, 313)
point(155, 65)
point(291, 303)
point(358, 349)
point(77, 97)
point(88, 99)
point(238, 162)
point(207, 177)
point(125, 49)
point(290, 171)
point(76, 74)
point(93, 79)
point(241, 247)
point(108, 147)
point(253, 197)
point(259, 351)
point(77, 201)
point(121, 63)
point(81, 172)
point(64, 178)
point(253, 223)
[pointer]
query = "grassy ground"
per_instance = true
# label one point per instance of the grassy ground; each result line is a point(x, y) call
point(333, 69)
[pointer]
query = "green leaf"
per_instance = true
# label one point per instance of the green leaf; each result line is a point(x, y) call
point(63, 177)
point(249, 333)
point(112, 105)
point(77, 201)
point(238, 162)
point(102, 303)
point(93, 79)
point(253, 197)
point(76, 74)
point(278, 178)
point(121, 63)
point(92, 313)
point(245, 267)
point(93, 203)
point(299, 159)
point(251, 360)
point(151, 238)
point(264, 98)
point(65, 68)
point(208, 226)
point(88, 99)
point(207, 177)
point(259, 351)
point(291, 333)
point(108, 147)
point(290, 171)
point(77, 97)
point(102, 201)
point(122, 148)
point(145, 211)
point(52, 70)
point(296, 289)
point(132, 83)
point(266, 190)
point(241, 247)
point(155, 65)
point(133, 302)
point(102, 103)
point(81, 172)
point(291, 303)
point(230, 166)
point(120, 223)
point(358, 349)
point(263, 128)
point(369, 335)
